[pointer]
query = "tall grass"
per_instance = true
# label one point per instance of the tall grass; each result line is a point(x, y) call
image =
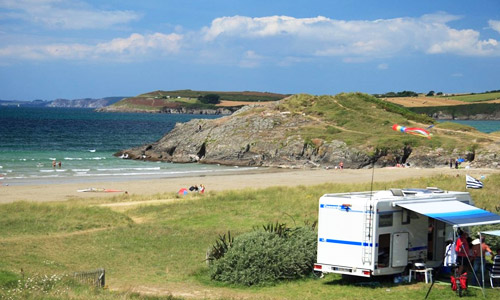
point(166, 250)
point(24, 218)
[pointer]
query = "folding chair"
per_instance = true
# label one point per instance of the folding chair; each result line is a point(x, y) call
point(495, 270)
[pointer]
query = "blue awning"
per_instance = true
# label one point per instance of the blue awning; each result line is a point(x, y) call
point(452, 212)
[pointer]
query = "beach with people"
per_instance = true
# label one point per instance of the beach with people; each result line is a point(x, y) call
point(246, 179)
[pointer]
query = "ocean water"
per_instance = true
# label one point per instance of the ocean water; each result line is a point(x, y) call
point(84, 142)
point(487, 126)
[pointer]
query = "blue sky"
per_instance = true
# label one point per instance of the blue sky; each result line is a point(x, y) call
point(79, 48)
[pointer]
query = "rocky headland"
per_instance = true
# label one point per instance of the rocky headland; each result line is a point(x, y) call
point(320, 131)
point(173, 110)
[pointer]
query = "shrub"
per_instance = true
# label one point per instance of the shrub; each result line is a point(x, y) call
point(262, 257)
point(209, 99)
point(219, 249)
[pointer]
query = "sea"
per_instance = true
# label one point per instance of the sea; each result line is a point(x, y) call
point(483, 126)
point(84, 142)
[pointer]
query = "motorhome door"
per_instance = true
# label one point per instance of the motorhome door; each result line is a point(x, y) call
point(399, 249)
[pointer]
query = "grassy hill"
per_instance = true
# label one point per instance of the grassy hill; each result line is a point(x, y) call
point(158, 100)
point(464, 106)
point(229, 96)
point(475, 97)
point(363, 120)
point(310, 130)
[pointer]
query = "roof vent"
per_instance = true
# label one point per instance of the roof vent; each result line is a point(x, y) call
point(397, 192)
point(434, 189)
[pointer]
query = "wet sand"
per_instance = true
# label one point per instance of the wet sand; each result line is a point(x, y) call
point(255, 179)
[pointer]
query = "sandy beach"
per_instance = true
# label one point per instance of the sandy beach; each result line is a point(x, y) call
point(256, 179)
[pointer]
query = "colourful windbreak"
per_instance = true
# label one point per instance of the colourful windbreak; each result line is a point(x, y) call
point(412, 130)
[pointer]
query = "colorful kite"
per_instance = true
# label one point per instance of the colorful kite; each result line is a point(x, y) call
point(412, 130)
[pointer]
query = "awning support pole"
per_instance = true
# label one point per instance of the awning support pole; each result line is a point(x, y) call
point(482, 262)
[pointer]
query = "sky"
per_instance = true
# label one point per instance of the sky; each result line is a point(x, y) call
point(74, 49)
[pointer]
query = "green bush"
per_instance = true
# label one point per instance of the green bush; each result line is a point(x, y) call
point(261, 257)
point(209, 99)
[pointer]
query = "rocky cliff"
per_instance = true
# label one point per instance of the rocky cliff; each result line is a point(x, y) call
point(316, 131)
point(84, 103)
point(447, 116)
point(170, 110)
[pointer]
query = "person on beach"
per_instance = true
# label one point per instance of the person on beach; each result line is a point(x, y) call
point(59, 164)
point(202, 189)
point(54, 164)
point(451, 163)
point(341, 165)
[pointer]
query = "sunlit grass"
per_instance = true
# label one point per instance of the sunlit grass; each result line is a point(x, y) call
point(168, 245)
point(476, 97)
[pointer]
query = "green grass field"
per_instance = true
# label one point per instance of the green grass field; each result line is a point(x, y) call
point(475, 97)
point(159, 248)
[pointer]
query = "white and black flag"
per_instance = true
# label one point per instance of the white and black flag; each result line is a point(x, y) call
point(472, 183)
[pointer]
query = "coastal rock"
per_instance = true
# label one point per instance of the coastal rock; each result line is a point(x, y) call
point(169, 110)
point(84, 103)
point(440, 115)
point(272, 136)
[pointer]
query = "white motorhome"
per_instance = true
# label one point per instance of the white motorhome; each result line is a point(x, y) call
point(381, 232)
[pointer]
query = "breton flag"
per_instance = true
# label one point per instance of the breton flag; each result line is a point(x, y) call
point(472, 183)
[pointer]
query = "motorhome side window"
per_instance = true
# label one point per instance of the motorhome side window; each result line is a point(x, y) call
point(405, 217)
point(385, 220)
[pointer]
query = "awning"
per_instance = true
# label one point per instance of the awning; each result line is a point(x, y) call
point(452, 212)
point(491, 232)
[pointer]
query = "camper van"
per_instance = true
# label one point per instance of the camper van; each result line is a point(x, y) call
point(382, 232)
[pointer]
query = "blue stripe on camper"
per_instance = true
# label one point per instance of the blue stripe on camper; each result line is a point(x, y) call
point(352, 243)
point(339, 207)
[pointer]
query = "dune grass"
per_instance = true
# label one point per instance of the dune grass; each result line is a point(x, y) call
point(162, 247)
point(23, 218)
point(365, 122)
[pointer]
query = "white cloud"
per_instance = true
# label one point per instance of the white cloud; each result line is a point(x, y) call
point(138, 44)
point(383, 66)
point(495, 25)
point(321, 36)
point(134, 47)
point(250, 59)
point(251, 42)
point(64, 14)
